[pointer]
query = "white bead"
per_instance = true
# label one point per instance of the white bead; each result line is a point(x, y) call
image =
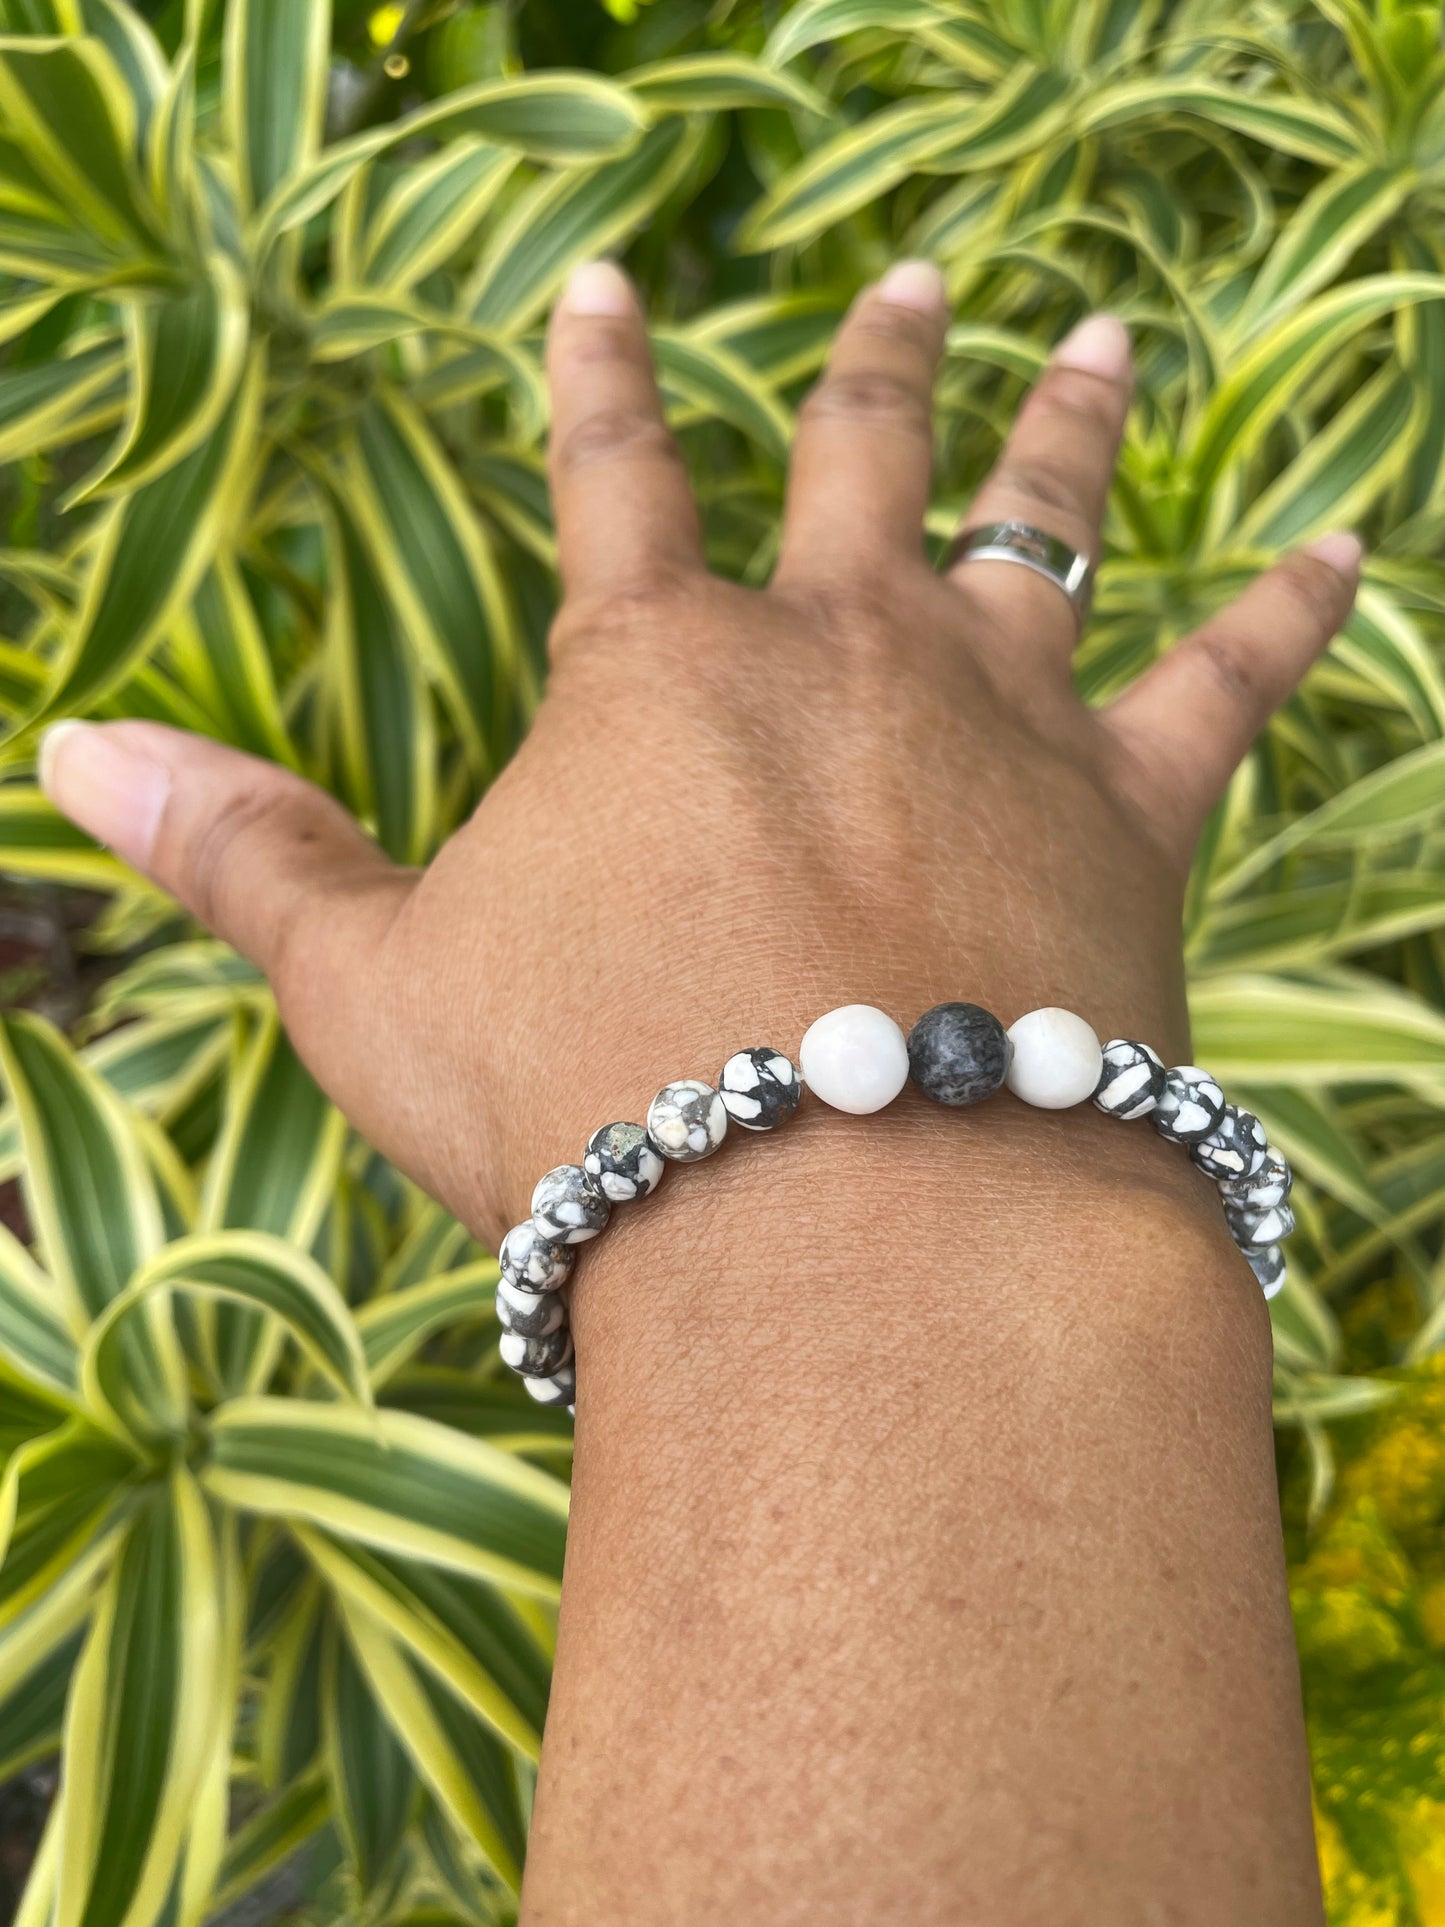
point(1057, 1059)
point(855, 1058)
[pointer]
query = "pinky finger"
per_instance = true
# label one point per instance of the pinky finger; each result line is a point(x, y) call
point(1190, 719)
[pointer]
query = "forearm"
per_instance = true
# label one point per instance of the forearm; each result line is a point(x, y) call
point(924, 1466)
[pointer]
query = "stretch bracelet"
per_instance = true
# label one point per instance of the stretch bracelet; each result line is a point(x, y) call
point(857, 1059)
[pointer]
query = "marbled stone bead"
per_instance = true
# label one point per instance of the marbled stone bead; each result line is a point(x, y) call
point(1189, 1107)
point(759, 1088)
point(621, 1161)
point(567, 1207)
point(1256, 1228)
point(559, 1389)
point(532, 1262)
point(854, 1059)
point(1267, 1264)
point(532, 1313)
point(536, 1357)
point(958, 1053)
point(1057, 1059)
point(687, 1120)
point(1131, 1081)
point(1270, 1184)
point(1235, 1148)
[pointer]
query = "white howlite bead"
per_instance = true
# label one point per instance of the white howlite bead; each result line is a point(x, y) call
point(855, 1059)
point(1057, 1059)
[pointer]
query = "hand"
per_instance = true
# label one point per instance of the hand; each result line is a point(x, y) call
point(868, 782)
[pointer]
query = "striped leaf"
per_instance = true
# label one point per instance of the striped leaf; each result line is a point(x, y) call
point(395, 1325)
point(709, 83)
point(372, 1781)
point(396, 1483)
point(502, 1414)
point(34, 1337)
point(1304, 1034)
point(270, 1837)
point(274, 91)
point(1338, 217)
point(813, 21)
point(709, 380)
point(1280, 123)
point(219, 652)
point(131, 45)
point(430, 211)
point(37, 841)
point(47, 403)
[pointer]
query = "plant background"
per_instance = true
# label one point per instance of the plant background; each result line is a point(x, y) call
point(281, 1541)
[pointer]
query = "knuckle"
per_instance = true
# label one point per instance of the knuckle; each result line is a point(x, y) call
point(1038, 481)
point(889, 321)
point(612, 433)
point(235, 835)
point(871, 395)
point(1225, 658)
point(1090, 401)
point(646, 603)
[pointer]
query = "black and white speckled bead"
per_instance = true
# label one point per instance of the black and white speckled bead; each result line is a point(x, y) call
point(1269, 1185)
point(1132, 1080)
point(759, 1088)
point(1189, 1107)
point(536, 1357)
point(958, 1054)
point(532, 1262)
point(621, 1161)
point(1258, 1228)
point(559, 1389)
point(687, 1120)
point(567, 1207)
point(1236, 1148)
point(1267, 1264)
point(532, 1313)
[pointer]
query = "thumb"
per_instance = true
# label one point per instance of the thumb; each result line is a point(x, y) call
point(265, 860)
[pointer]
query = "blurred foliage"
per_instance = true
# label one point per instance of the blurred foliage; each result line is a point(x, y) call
point(272, 277)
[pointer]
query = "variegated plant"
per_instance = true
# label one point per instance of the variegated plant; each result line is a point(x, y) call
point(270, 393)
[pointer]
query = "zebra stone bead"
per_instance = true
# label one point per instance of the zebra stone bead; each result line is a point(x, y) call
point(559, 1389)
point(532, 1262)
point(621, 1163)
point(536, 1357)
point(759, 1088)
point(1235, 1149)
point(1258, 1228)
point(532, 1313)
point(1268, 1267)
point(958, 1053)
point(687, 1120)
point(1132, 1079)
point(567, 1207)
point(1270, 1184)
point(1189, 1107)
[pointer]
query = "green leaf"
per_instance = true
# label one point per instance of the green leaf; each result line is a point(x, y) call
point(219, 653)
point(710, 380)
point(814, 21)
point(1336, 218)
point(131, 45)
point(36, 841)
point(1280, 122)
point(394, 1482)
point(34, 1337)
point(1304, 1034)
point(710, 83)
point(430, 212)
point(396, 1324)
point(276, 59)
point(270, 1837)
point(47, 402)
point(371, 1777)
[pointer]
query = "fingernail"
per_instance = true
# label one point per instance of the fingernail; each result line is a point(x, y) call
point(1099, 345)
point(1342, 549)
point(599, 287)
point(914, 284)
point(113, 791)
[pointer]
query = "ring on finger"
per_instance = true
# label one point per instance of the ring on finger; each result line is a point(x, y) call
point(1035, 549)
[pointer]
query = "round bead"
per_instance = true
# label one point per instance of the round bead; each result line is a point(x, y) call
point(1255, 1228)
point(1056, 1059)
point(1268, 1267)
point(567, 1207)
point(536, 1357)
point(621, 1162)
point(855, 1059)
point(759, 1088)
point(1190, 1106)
point(532, 1313)
point(1132, 1079)
point(686, 1120)
point(958, 1053)
point(1236, 1148)
point(559, 1389)
point(534, 1263)
point(1270, 1184)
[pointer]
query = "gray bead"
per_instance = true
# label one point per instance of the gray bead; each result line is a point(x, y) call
point(536, 1357)
point(532, 1313)
point(1236, 1148)
point(1189, 1107)
point(621, 1162)
point(567, 1207)
point(1267, 1264)
point(1270, 1184)
point(1132, 1080)
point(687, 1120)
point(958, 1053)
point(759, 1088)
point(532, 1262)
point(1257, 1228)
point(559, 1389)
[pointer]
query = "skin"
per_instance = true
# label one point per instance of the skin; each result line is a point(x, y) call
point(926, 1563)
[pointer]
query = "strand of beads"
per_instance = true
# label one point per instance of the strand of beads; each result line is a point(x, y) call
point(687, 1121)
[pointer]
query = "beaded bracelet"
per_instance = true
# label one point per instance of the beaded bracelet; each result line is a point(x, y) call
point(857, 1059)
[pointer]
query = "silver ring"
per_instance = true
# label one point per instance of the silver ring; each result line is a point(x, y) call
point(1036, 549)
